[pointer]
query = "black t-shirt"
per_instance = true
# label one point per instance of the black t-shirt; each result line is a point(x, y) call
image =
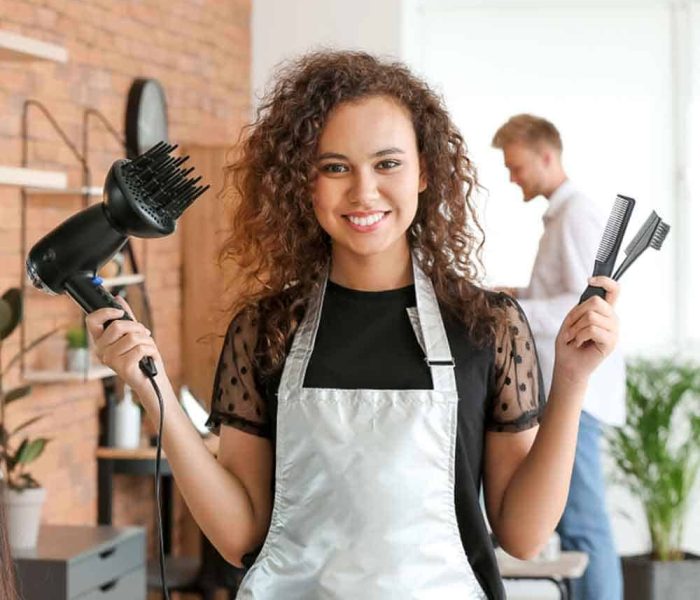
point(365, 340)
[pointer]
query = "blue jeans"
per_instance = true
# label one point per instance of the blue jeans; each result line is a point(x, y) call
point(585, 525)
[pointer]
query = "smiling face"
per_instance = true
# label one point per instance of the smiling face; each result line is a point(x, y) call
point(367, 182)
point(527, 167)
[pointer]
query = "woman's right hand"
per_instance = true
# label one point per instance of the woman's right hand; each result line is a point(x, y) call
point(122, 344)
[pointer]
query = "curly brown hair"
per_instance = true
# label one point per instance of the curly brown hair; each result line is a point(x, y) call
point(280, 249)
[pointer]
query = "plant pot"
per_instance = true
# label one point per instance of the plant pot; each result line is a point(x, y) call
point(23, 511)
point(78, 359)
point(647, 579)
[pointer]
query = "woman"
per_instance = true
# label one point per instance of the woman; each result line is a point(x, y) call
point(367, 385)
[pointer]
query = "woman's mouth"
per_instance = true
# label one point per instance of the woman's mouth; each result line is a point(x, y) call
point(366, 222)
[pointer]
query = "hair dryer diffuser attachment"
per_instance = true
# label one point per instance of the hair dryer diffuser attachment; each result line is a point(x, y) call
point(145, 197)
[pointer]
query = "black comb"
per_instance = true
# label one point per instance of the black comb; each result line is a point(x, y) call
point(610, 244)
point(652, 234)
point(149, 193)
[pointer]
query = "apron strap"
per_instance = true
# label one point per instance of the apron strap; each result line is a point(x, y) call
point(297, 360)
point(437, 348)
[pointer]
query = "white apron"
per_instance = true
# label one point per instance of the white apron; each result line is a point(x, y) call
point(364, 483)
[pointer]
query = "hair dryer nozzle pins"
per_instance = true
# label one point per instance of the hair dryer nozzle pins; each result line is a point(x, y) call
point(144, 197)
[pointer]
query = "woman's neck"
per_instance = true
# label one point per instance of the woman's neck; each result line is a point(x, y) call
point(388, 270)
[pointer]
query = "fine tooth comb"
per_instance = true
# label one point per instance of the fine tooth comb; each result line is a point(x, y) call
point(652, 234)
point(610, 244)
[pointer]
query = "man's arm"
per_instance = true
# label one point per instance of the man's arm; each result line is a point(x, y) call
point(579, 233)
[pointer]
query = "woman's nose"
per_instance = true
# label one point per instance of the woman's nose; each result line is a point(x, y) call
point(365, 188)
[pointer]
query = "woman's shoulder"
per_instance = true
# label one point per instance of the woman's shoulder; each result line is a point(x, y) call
point(489, 314)
point(470, 293)
point(511, 313)
point(251, 312)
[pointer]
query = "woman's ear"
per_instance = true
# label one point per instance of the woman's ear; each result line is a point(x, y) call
point(422, 178)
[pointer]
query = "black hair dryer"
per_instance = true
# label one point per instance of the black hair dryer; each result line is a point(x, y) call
point(142, 198)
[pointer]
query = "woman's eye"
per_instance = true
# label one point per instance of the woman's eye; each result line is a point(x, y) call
point(388, 164)
point(334, 168)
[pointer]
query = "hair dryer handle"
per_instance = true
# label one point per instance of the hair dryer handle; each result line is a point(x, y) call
point(88, 292)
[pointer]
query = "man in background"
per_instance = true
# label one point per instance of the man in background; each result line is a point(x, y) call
point(573, 227)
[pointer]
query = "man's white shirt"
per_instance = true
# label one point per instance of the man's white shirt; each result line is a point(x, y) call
point(573, 228)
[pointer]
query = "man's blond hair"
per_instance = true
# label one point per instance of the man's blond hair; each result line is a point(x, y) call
point(528, 130)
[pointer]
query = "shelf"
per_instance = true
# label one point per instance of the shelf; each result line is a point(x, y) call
point(96, 372)
point(83, 191)
point(17, 47)
point(122, 280)
point(19, 176)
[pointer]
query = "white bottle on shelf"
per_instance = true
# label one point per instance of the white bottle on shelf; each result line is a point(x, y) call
point(127, 422)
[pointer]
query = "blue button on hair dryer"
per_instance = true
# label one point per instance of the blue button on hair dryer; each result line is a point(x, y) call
point(142, 198)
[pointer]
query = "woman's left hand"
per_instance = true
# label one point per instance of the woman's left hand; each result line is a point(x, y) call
point(589, 333)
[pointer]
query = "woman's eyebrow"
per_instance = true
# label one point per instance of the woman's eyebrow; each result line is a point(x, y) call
point(388, 151)
point(331, 155)
point(338, 156)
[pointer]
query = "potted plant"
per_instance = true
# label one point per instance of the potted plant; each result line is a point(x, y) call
point(77, 355)
point(657, 457)
point(22, 494)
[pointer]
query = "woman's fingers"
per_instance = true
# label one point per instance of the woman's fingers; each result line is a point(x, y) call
point(611, 287)
point(595, 334)
point(121, 343)
point(125, 344)
point(96, 320)
point(593, 304)
point(126, 365)
point(591, 318)
point(120, 328)
point(126, 306)
point(119, 335)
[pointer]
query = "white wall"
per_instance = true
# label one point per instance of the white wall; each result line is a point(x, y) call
point(692, 172)
point(282, 29)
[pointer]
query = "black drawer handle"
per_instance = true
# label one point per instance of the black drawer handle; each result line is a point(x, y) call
point(109, 585)
point(107, 553)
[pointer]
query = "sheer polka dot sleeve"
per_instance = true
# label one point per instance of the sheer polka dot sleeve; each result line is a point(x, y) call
point(236, 400)
point(517, 398)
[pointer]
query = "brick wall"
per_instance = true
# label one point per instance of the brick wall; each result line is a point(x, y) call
point(200, 52)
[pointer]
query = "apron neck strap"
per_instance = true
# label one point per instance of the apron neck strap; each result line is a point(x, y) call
point(437, 349)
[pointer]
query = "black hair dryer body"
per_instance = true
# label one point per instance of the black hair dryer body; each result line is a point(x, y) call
point(67, 259)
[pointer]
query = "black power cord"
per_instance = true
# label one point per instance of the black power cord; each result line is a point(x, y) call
point(161, 550)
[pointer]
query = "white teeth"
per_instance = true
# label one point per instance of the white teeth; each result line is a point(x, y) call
point(366, 221)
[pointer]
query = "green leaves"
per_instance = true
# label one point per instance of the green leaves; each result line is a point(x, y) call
point(17, 393)
point(77, 337)
point(13, 461)
point(657, 452)
point(29, 451)
point(10, 311)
